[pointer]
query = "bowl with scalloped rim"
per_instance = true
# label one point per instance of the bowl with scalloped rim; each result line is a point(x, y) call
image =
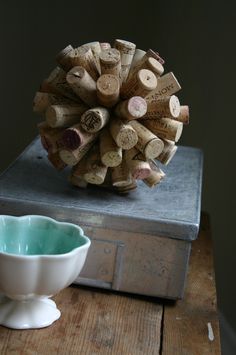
point(39, 256)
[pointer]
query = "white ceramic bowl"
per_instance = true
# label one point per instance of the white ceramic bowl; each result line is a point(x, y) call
point(38, 257)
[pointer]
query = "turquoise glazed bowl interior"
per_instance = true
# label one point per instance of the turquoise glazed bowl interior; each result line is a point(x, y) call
point(38, 235)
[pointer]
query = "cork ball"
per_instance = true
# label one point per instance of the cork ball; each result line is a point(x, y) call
point(111, 115)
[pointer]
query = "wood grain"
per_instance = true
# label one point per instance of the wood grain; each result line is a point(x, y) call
point(185, 323)
point(92, 322)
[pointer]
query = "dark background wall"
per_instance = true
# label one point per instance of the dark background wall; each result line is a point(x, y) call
point(197, 40)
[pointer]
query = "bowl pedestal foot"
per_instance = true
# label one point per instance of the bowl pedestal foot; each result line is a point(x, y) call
point(28, 314)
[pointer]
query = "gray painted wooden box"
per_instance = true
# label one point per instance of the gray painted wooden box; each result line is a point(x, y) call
point(140, 242)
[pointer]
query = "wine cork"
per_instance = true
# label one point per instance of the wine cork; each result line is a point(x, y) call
point(56, 161)
point(183, 115)
point(148, 143)
point(165, 128)
point(108, 89)
point(50, 137)
point(167, 85)
point(58, 84)
point(43, 100)
point(155, 66)
point(95, 119)
point(63, 58)
point(72, 157)
point(149, 63)
point(43, 127)
point(110, 62)
point(158, 57)
point(166, 107)
point(131, 109)
point(96, 49)
point(47, 145)
point(140, 84)
point(155, 177)
point(155, 55)
point(111, 154)
point(137, 164)
point(96, 171)
point(44, 143)
point(77, 173)
point(73, 137)
point(78, 181)
point(83, 56)
point(127, 50)
point(64, 115)
point(83, 85)
point(168, 152)
point(107, 183)
point(138, 55)
point(155, 166)
point(142, 62)
point(105, 45)
point(127, 188)
point(95, 46)
point(45, 87)
point(123, 134)
point(80, 168)
point(121, 175)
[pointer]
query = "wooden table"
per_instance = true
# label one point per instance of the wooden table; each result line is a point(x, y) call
point(102, 322)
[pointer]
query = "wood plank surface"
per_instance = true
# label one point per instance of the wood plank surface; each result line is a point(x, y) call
point(92, 322)
point(191, 326)
point(103, 322)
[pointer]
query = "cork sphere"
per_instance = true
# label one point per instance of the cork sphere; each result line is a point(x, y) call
point(111, 114)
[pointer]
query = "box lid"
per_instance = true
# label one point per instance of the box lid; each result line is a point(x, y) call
point(172, 209)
